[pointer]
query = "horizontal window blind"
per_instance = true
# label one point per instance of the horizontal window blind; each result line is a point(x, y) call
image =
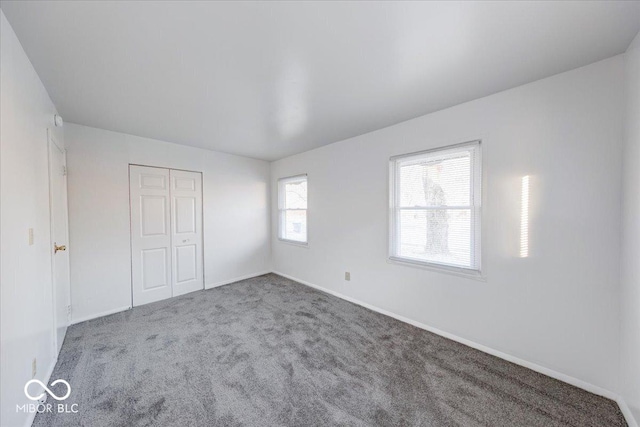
point(435, 206)
point(292, 207)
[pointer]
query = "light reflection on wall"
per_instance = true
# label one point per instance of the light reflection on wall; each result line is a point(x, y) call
point(524, 218)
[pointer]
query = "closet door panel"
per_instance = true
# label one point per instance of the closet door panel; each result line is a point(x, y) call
point(186, 229)
point(150, 234)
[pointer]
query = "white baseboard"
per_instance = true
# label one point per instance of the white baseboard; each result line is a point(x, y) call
point(626, 411)
point(513, 359)
point(95, 316)
point(236, 279)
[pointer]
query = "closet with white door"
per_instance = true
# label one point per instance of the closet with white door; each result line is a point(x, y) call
point(166, 233)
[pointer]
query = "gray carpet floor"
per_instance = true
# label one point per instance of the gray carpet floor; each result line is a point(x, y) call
point(272, 352)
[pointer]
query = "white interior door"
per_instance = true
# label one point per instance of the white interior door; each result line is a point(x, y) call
point(186, 229)
point(59, 241)
point(150, 234)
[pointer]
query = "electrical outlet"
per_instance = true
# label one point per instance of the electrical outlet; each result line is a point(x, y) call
point(347, 276)
point(30, 236)
point(34, 367)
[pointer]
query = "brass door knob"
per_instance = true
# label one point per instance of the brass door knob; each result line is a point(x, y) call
point(57, 248)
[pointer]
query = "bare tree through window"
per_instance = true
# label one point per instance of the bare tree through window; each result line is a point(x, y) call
point(436, 206)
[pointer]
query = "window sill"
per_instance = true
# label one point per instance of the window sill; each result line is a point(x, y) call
point(467, 274)
point(294, 243)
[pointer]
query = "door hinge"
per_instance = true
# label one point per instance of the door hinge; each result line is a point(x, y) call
point(64, 171)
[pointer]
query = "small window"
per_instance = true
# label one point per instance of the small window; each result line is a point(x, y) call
point(435, 205)
point(292, 205)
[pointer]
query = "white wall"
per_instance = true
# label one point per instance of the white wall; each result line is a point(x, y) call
point(630, 287)
point(26, 289)
point(236, 213)
point(557, 308)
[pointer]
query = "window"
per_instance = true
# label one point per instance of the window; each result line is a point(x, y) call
point(292, 205)
point(435, 205)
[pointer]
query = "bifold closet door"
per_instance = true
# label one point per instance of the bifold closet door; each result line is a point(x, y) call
point(186, 231)
point(166, 233)
point(150, 234)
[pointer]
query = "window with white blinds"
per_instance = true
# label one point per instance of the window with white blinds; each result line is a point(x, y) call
point(435, 204)
point(292, 206)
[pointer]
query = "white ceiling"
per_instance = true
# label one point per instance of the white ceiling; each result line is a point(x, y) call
point(271, 79)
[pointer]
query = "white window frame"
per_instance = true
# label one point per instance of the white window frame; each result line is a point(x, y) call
point(282, 210)
point(475, 206)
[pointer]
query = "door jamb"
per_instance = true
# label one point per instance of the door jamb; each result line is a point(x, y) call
point(52, 144)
